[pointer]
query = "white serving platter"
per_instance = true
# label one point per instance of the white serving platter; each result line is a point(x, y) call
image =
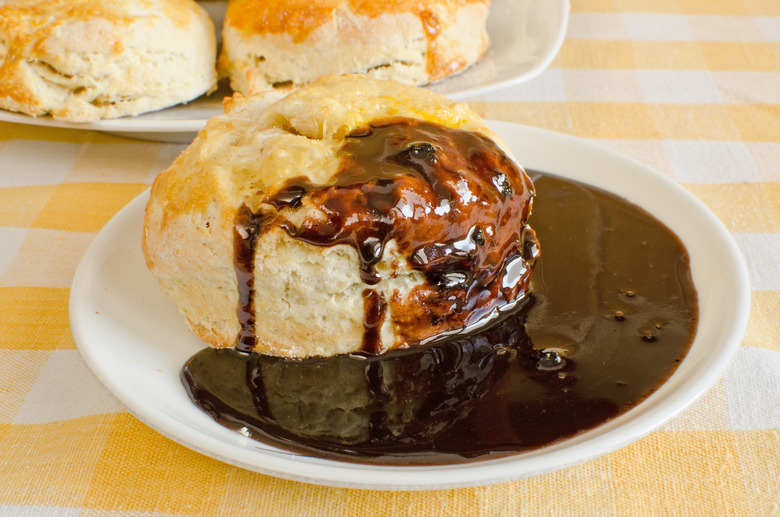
point(525, 37)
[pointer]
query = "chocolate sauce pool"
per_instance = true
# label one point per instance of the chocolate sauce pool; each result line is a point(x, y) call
point(612, 312)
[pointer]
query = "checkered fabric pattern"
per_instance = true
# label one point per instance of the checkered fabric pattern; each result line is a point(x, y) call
point(689, 87)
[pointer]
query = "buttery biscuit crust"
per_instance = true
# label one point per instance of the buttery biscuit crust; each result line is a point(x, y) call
point(290, 43)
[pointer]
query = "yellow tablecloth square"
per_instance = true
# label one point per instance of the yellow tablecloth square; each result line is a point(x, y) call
point(650, 474)
point(85, 207)
point(33, 318)
point(20, 206)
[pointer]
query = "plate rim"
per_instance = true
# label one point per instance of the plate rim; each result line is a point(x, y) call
point(647, 416)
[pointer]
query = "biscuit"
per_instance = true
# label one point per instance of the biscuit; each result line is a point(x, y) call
point(85, 60)
point(292, 42)
point(353, 215)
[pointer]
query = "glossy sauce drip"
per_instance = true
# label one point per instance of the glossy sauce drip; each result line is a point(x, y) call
point(452, 202)
point(374, 309)
point(612, 312)
point(245, 233)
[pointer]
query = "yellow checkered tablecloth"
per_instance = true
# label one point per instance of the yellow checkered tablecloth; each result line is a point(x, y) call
point(690, 87)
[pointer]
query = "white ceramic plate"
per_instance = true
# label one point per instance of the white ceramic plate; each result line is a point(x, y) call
point(525, 37)
point(136, 342)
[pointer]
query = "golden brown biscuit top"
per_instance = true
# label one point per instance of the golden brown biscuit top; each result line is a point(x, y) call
point(300, 17)
point(29, 15)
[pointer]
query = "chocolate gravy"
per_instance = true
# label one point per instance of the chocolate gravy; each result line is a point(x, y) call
point(611, 313)
point(450, 200)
